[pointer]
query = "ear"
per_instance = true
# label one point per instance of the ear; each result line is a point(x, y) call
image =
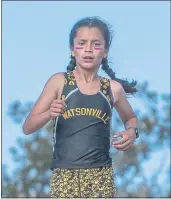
point(105, 54)
point(72, 51)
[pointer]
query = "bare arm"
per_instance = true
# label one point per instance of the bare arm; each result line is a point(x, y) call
point(41, 112)
point(122, 106)
point(127, 116)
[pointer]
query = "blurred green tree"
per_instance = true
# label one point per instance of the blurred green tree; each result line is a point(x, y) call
point(32, 155)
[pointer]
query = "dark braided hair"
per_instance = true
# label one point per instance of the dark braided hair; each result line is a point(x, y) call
point(130, 88)
point(72, 64)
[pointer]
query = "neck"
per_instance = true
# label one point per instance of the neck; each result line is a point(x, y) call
point(85, 75)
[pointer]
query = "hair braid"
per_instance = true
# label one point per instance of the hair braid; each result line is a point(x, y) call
point(128, 87)
point(72, 64)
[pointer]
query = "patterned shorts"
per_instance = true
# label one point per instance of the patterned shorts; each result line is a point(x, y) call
point(83, 183)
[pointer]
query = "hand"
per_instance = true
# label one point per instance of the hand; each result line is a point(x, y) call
point(57, 108)
point(127, 140)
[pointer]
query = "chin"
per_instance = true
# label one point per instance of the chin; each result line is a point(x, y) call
point(89, 66)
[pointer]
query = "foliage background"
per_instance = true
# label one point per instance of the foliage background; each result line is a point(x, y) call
point(35, 46)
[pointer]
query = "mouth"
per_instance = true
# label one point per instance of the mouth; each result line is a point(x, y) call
point(88, 59)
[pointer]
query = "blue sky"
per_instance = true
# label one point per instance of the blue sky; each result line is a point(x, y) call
point(35, 46)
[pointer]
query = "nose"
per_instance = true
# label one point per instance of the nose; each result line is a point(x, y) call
point(88, 47)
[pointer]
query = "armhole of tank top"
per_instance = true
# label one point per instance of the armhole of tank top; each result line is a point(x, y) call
point(111, 94)
point(70, 85)
point(55, 121)
point(65, 91)
point(112, 104)
point(110, 99)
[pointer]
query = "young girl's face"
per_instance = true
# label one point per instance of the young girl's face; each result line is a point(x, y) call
point(89, 48)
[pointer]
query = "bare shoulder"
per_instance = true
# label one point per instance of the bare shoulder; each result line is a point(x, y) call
point(49, 93)
point(56, 80)
point(117, 90)
point(54, 84)
point(57, 77)
point(116, 86)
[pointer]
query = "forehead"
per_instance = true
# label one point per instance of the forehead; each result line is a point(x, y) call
point(86, 33)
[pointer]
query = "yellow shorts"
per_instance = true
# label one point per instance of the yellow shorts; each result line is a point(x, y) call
point(83, 183)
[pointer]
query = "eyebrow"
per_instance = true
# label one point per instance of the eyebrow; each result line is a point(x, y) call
point(87, 40)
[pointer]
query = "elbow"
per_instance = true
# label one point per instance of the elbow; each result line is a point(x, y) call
point(133, 118)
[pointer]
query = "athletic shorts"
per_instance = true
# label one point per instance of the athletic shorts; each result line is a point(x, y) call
point(83, 183)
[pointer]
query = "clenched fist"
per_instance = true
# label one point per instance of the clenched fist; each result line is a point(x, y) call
point(57, 108)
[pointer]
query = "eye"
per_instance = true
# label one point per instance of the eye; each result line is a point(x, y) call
point(81, 43)
point(97, 44)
